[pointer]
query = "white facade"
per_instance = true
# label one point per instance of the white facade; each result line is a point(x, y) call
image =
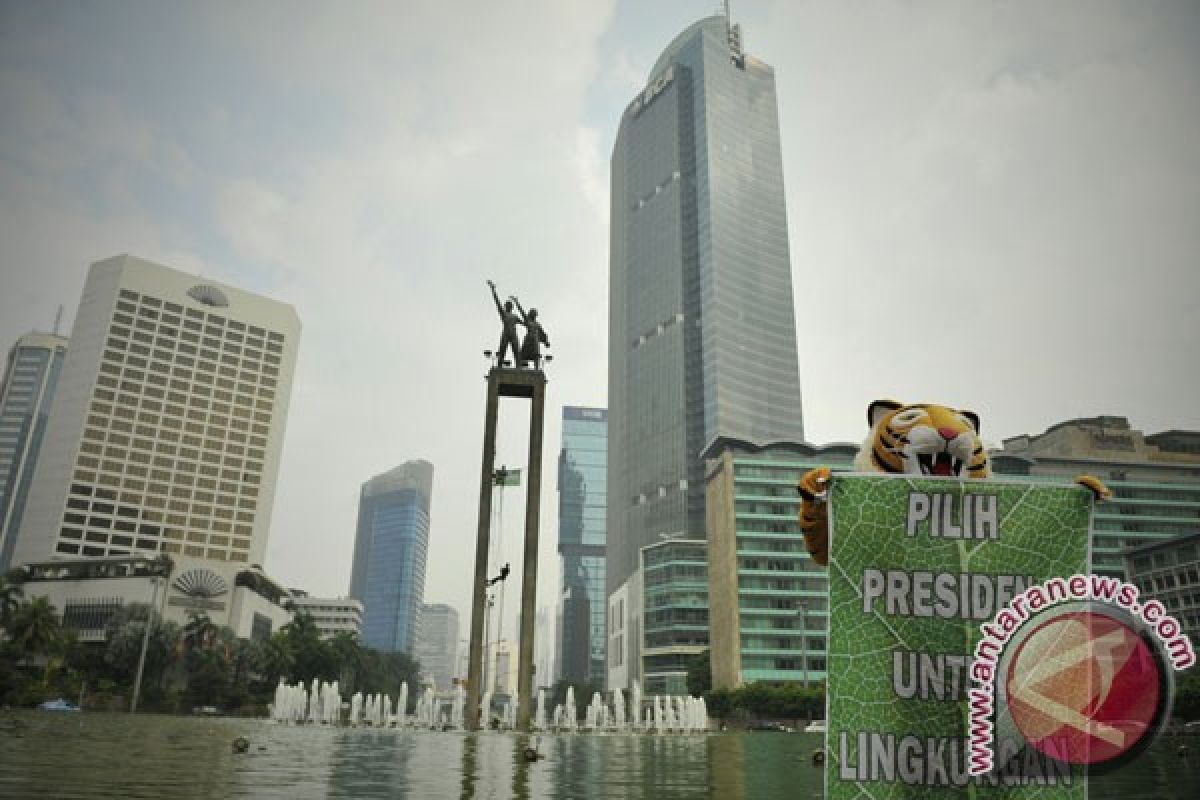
point(84, 591)
point(504, 667)
point(437, 645)
point(332, 615)
point(168, 423)
point(625, 634)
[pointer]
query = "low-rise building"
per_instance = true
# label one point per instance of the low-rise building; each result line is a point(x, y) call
point(332, 615)
point(1155, 479)
point(87, 592)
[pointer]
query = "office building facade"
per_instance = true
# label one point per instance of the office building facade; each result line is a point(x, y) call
point(168, 421)
point(768, 601)
point(390, 548)
point(437, 646)
point(1155, 479)
point(1169, 571)
point(674, 611)
point(702, 333)
point(26, 395)
point(582, 532)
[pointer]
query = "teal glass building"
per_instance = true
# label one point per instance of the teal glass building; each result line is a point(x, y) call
point(768, 601)
point(582, 533)
point(390, 549)
point(26, 395)
point(702, 331)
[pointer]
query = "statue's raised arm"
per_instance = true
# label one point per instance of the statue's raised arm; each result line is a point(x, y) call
point(496, 298)
point(508, 333)
point(521, 311)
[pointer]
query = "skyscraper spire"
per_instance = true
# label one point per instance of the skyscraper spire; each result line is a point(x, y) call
point(733, 34)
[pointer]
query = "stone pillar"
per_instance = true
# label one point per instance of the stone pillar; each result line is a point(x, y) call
point(533, 507)
point(471, 713)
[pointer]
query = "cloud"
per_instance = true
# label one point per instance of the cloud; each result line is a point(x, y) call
point(995, 202)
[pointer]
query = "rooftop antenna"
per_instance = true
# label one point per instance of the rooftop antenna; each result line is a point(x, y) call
point(733, 34)
point(58, 319)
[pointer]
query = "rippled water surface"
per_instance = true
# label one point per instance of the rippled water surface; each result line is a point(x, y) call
point(47, 756)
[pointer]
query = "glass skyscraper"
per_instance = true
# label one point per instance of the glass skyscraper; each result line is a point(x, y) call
point(388, 574)
point(26, 395)
point(582, 509)
point(702, 331)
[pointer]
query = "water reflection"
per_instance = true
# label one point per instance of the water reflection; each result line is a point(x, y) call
point(116, 756)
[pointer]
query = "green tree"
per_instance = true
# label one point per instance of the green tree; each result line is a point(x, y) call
point(699, 674)
point(350, 657)
point(311, 656)
point(1187, 696)
point(34, 629)
point(385, 672)
point(124, 644)
point(10, 599)
point(275, 659)
point(199, 633)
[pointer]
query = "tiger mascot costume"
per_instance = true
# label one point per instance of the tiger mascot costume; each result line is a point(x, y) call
point(918, 439)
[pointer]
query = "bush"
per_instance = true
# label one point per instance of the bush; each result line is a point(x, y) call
point(769, 701)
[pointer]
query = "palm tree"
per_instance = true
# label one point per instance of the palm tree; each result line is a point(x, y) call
point(10, 599)
point(200, 632)
point(34, 628)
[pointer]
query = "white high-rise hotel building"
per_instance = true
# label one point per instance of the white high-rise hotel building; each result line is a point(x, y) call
point(168, 422)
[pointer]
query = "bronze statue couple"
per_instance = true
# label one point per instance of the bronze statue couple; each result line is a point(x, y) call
point(530, 351)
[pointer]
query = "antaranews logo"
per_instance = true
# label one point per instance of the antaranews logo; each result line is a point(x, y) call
point(1077, 669)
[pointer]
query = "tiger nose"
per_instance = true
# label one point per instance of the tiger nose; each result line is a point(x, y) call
point(949, 434)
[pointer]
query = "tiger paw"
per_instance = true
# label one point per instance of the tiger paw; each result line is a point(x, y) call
point(1099, 490)
point(813, 484)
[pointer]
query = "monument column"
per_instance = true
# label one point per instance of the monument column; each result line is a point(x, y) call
point(530, 384)
point(482, 546)
point(533, 507)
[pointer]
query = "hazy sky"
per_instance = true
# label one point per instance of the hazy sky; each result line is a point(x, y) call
point(991, 205)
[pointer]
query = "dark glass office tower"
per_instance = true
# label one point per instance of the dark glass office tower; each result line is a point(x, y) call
point(388, 574)
point(702, 332)
point(26, 394)
point(582, 508)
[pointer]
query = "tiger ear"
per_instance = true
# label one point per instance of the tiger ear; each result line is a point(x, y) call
point(973, 418)
point(880, 409)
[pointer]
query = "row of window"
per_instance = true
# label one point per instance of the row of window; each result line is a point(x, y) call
point(750, 642)
point(195, 551)
point(782, 664)
point(150, 304)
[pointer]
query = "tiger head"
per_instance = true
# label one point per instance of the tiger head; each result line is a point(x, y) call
point(923, 439)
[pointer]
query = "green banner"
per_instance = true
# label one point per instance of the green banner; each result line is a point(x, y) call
point(507, 477)
point(916, 566)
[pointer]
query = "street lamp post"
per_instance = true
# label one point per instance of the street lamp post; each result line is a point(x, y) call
point(137, 681)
